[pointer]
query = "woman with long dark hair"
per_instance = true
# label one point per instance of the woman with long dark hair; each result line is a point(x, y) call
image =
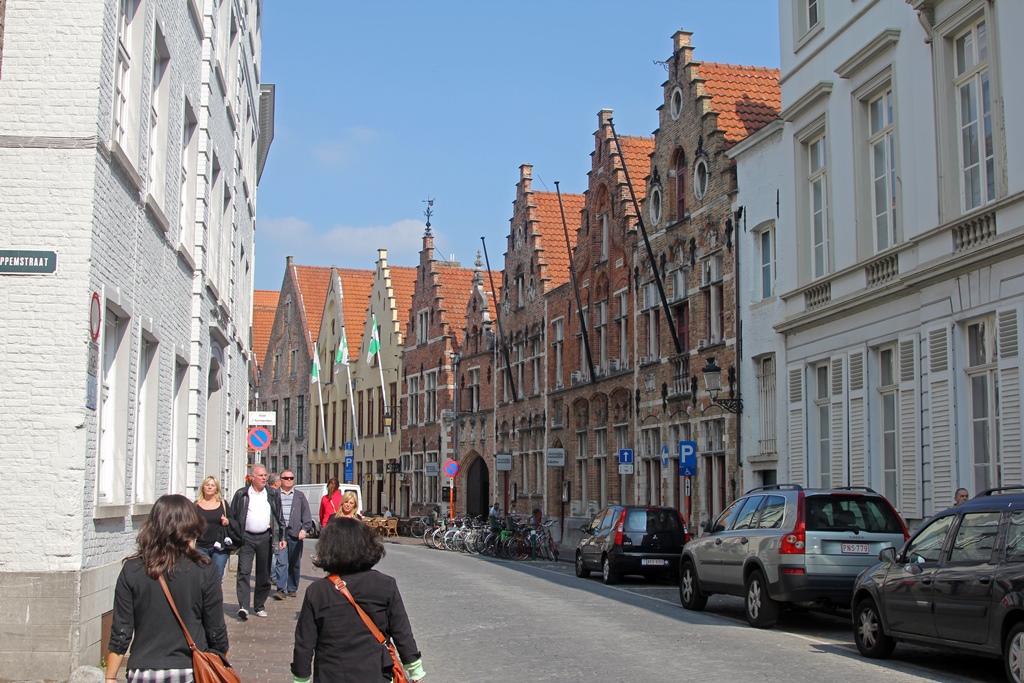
point(331, 640)
point(142, 616)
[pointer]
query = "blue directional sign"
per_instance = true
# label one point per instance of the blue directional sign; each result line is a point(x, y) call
point(687, 458)
point(664, 455)
point(625, 456)
point(350, 460)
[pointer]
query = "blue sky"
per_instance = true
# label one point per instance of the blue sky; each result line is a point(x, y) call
point(383, 103)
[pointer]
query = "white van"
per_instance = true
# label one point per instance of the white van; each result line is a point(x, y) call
point(314, 494)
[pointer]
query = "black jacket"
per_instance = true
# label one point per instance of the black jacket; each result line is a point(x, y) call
point(143, 618)
point(240, 510)
point(332, 639)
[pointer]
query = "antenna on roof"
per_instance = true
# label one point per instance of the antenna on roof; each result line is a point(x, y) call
point(429, 212)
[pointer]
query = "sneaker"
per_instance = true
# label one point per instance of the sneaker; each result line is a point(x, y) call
point(243, 614)
point(262, 614)
point(291, 594)
point(279, 595)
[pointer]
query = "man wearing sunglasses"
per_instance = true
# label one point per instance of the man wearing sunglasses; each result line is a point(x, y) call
point(297, 522)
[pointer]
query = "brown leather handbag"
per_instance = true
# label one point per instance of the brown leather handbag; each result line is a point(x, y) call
point(207, 667)
point(397, 670)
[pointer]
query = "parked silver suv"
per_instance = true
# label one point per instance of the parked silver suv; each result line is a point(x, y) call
point(786, 544)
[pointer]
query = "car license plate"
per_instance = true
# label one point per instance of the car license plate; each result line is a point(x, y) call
point(657, 563)
point(855, 549)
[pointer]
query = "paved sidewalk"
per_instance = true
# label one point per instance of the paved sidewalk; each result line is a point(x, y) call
point(261, 649)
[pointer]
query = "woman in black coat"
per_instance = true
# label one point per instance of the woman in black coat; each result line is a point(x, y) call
point(142, 616)
point(331, 641)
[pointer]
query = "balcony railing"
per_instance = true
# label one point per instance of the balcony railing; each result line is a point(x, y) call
point(681, 376)
point(817, 296)
point(974, 231)
point(882, 270)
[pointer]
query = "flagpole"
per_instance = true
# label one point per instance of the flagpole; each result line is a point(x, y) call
point(342, 358)
point(319, 391)
point(380, 366)
point(352, 403)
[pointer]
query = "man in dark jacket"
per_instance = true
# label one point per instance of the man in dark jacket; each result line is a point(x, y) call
point(298, 521)
point(256, 509)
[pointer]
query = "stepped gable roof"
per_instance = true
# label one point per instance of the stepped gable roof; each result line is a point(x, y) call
point(356, 287)
point(456, 286)
point(403, 282)
point(746, 97)
point(264, 308)
point(552, 233)
point(636, 152)
point(311, 283)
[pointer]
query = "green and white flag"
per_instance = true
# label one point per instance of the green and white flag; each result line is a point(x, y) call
point(314, 374)
point(374, 346)
point(341, 358)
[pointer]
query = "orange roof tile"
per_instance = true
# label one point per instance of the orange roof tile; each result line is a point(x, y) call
point(312, 283)
point(356, 288)
point(264, 308)
point(636, 152)
point(745, 97)
point(456, 286)
point(403, 282)
point(553, 234)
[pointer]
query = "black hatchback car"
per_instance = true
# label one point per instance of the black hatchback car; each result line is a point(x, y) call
point(958, 583)
point(626, 539)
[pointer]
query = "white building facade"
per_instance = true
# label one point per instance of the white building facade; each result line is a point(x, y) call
point(131, 140)
point(902, 208)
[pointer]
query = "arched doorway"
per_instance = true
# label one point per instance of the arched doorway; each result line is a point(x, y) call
point(478, 487)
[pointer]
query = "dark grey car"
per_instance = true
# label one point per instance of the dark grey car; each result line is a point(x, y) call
point(627, 539)
point(957, 584)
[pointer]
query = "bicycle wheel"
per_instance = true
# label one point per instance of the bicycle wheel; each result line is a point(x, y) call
point(417, 528)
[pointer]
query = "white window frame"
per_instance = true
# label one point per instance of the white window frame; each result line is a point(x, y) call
point(422, 326)
point(156, 184)
point(983, 390)
point(767, 404)
point(430, 397)
point(557, 343)
point(972, 75)
point(147, 398)
point(112, 444)
point(819, 223)
point(823, 422)
point(766, 262)
point(188, 179)
point(881, 142)
point(888, 423)
point(623, 319)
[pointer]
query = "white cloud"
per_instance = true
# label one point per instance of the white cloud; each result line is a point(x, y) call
point(341, 151)
point(345, 246)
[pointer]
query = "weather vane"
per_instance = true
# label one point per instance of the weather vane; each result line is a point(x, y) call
point(429, 212)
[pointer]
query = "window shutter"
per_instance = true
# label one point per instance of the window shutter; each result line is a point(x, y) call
point(909, 430)
point(940, 393)
point(858, 419)
point(797, 432)
point(1008, 326)
point(838, 449)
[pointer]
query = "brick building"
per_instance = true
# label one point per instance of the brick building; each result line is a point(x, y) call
point(475, 394)
point(432, 340)
point(284, 381)
point(707, 109)
point(131, 140)
point(592, 400)
point(536, 262)
point(377, 455)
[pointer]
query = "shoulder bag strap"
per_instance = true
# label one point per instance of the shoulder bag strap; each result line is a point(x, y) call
point(170, 600)
point(340, 585)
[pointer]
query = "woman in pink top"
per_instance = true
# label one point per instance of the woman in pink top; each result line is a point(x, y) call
point(330, 503)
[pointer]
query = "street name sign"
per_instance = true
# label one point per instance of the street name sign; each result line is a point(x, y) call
point(503, 462)
point(556, 457)
point(265, 418)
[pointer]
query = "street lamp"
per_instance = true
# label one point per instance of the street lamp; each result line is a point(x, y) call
point(713, 383)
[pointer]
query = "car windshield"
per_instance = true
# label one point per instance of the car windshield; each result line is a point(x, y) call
point(652, 521)
point(838, 512)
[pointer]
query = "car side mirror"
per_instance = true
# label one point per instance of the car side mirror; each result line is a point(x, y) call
point(709, 527)
point(887, 554)
point(585, 528)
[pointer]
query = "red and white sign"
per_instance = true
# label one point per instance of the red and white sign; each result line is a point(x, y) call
point(95, 316)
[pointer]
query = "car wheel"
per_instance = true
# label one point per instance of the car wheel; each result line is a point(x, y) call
point(690, 595)
point(607, 574)
point(762, 610)
point(1013, 654)
point(867, 631)
point(581, 571)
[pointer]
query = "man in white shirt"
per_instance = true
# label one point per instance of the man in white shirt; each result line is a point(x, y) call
point(256, 508)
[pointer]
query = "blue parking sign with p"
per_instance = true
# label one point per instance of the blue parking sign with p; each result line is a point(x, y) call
point(687, 458)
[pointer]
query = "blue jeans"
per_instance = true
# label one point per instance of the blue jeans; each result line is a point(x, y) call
point(288, 575)
point(219, 558)
point(279, 568)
